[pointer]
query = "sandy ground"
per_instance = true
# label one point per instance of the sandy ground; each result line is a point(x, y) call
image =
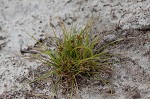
point(17, 17)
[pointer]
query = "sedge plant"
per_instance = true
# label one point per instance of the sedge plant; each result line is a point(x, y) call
point(76, 55)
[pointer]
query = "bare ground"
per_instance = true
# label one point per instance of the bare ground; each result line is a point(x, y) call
point(114, 19)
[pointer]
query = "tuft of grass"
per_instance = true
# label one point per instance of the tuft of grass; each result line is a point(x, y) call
point(75, 56)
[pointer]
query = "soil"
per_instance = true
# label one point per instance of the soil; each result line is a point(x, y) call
point(128, 19)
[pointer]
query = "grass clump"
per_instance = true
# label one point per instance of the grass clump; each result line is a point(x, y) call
point(77, 55)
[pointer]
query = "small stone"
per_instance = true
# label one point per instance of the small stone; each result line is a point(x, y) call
point(109, 38)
